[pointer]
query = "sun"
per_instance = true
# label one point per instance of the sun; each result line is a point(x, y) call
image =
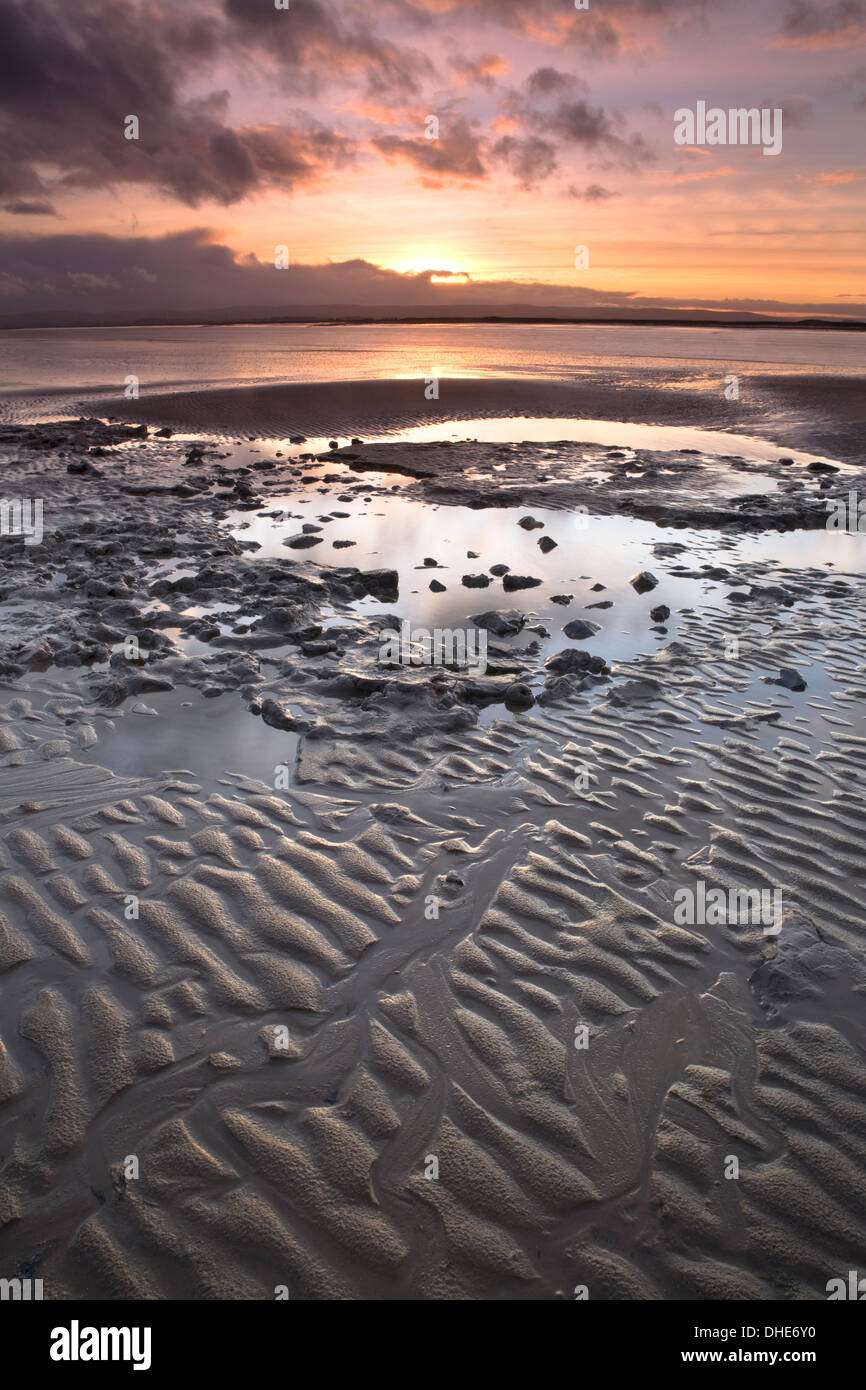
point(427, 258)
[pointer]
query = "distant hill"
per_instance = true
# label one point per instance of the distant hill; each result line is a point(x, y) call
point(402, 313)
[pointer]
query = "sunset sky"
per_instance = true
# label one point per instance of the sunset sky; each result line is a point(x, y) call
point(306, 127)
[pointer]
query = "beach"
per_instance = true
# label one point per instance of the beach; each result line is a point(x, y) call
point(364, 975)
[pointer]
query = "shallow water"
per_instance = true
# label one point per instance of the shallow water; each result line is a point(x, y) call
point(40, 369)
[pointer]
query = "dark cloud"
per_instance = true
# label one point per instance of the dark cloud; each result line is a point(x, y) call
point(593, 193)
point(550, 82)
point(189, 273)
point(70, 74)
point(593, 130)
point(455, 152)
point(330, 41)
point(603, 30)
point(21, 208)
point(825, 23)
point(529, 159)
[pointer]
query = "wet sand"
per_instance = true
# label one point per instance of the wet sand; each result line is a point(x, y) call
point(808, 411)
point(377, 966)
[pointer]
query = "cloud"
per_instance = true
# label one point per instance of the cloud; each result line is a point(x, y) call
point(592, 129)
point(191, 273)
point(481, 71)
point(530, 160)
point(550, 82)
point(69, 75)
point(316, 42)
point(456, 152)
point(807, 25)
point(593, 193)
point(22, 208)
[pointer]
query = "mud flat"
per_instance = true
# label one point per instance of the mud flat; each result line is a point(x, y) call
point(821, 412)
point(390, 1002)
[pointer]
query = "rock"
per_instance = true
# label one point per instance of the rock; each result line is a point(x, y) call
point(310, 528)
point(475, 581)
point(164, 433)
point(821, 468)
point(430, 562)
point(603, 603)
point(786, 461)
point(558, 688)
point(343, 545)
point(660, 614)
point(519, 696)
point(472, 555)
point(597, 588)
point(332, 444)
point(297, 439)
point(302, 542)
point(631, 692)
point(519, 581)
point(643, 581)
point(36, 652)
point(499, 570)
point(278, 717)
point(564, 599)
point(141, 683)
point(546, 544)
point(789, 677)
point(578, 629)
point(501, 623)
point(436, 587)
point(529, 523)
point(381, 584)
point(571, 659)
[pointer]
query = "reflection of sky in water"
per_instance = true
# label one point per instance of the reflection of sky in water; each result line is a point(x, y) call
point(613, 434)
point(207, 737)
point(397, 532)
point(393, 531)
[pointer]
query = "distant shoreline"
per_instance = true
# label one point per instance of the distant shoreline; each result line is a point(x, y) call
point(809, 324)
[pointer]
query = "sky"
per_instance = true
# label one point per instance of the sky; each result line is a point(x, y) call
point(428, 152)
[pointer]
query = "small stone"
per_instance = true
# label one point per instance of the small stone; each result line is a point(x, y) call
point(579, 629)
point(519, 696)
point(519, 581)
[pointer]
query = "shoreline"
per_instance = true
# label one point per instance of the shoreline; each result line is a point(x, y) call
point(818, 413)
